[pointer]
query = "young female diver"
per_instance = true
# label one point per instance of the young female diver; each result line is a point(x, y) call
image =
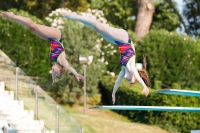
point(122, 39)
point(53, 35)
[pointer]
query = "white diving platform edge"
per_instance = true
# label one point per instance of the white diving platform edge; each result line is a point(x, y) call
point(148, 108)
point(179, 92)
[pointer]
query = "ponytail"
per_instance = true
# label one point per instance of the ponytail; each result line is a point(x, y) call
point(63, 71)
point(143, 73)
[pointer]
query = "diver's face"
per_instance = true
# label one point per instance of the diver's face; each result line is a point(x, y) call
point(56, 68)
point(129, 78)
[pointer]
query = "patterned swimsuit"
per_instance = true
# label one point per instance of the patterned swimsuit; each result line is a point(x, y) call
point(126, 51)
point(56, 49)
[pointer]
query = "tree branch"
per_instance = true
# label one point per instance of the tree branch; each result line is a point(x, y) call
point(177, 12)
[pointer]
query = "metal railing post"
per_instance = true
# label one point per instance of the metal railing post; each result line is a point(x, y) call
point(82, 130)
point(4, 129)
point(57, 119)
point(85, 66)
point(16, 80)
point(36, 102)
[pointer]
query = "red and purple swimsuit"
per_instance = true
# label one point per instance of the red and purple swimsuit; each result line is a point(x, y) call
point(126, 51)
point(56, 49)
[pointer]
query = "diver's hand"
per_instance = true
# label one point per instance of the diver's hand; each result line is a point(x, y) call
point(113, 98)
point(8, 15)
point(145, 91)
point(79, 77)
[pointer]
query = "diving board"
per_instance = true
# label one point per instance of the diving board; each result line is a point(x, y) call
point(179, 92)
point(152, 108)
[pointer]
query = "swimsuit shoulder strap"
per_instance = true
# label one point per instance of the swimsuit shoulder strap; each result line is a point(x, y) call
point(123, 67)
point(61, 39)
point(129, 39)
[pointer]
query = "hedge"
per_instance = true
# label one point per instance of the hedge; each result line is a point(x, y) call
point(172, 121)
point(171, 58)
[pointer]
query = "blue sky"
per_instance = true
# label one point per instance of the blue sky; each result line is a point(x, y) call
point(180, 5)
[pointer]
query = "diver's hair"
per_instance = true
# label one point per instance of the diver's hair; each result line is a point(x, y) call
point(63, 71)
point(143, 73)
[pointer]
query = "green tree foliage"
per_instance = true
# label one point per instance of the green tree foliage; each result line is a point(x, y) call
point(8, 4)
point(123, 13)
point(171, 58)
point(175, 9)
point(191, 12)
point(164, 17)
point(41, 8)
point(76, 5)
point(28, 51)
point(118, 12)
